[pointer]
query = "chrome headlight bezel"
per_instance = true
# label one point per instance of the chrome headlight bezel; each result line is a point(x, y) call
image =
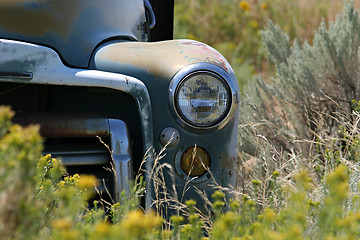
point(217, 72)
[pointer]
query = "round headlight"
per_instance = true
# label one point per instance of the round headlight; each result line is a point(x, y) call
point(202, 99)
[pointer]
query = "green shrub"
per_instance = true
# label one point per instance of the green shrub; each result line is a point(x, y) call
point(234, 27)
point(293, 122)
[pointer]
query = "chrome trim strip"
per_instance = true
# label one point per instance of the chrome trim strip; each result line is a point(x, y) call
point(121, 156)
point(16, 75)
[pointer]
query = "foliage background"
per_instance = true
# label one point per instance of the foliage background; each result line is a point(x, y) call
point(234, 27)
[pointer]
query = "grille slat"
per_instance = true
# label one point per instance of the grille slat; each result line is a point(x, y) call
point(79, 154)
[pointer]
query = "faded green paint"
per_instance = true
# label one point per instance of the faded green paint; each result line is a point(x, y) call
point(72, 27)
point(27, 63)
point(16, 17)
point(161, 59)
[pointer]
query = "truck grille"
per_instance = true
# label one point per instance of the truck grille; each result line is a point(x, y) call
point(87, 144)
point(85, 156)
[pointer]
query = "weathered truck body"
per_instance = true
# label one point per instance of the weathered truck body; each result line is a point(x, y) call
point(88, 69)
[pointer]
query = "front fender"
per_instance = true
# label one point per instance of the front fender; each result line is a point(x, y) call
point(160, 59)
point(158, 65)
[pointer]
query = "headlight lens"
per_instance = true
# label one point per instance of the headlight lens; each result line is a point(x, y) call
point(202, 99)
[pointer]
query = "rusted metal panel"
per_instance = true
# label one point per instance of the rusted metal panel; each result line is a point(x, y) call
point(66, 124)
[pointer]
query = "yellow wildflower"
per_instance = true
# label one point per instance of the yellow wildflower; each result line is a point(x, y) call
point(103, 228)
point(186, 229)
point(70, 235)
point(228, 218)
point(255, 226)
point(235, 205)
point(166, 234)
point(177, 220)
point(218, 195)
point(5, 112)
point(264, 6)
point(269, 215)
point(296, 232)
point(218, 204)
point(344, 222)
point(61, 184)
point(244, 5)
point(255, 24)
point(251, 203)
point(87, 182)
point(275, 235)
point(190, 203)
point(137, 223)
point(62, 223)
point(255, 182)
point(134, 222)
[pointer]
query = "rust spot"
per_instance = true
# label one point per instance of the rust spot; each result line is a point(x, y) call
point(65, 124)
point(227, 161)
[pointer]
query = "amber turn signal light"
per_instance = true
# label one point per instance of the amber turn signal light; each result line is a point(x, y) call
point(195, 161)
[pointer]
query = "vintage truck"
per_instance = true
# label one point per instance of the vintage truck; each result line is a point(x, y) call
point(107, 73)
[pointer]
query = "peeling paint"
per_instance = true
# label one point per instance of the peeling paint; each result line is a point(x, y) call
point(161, 59)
